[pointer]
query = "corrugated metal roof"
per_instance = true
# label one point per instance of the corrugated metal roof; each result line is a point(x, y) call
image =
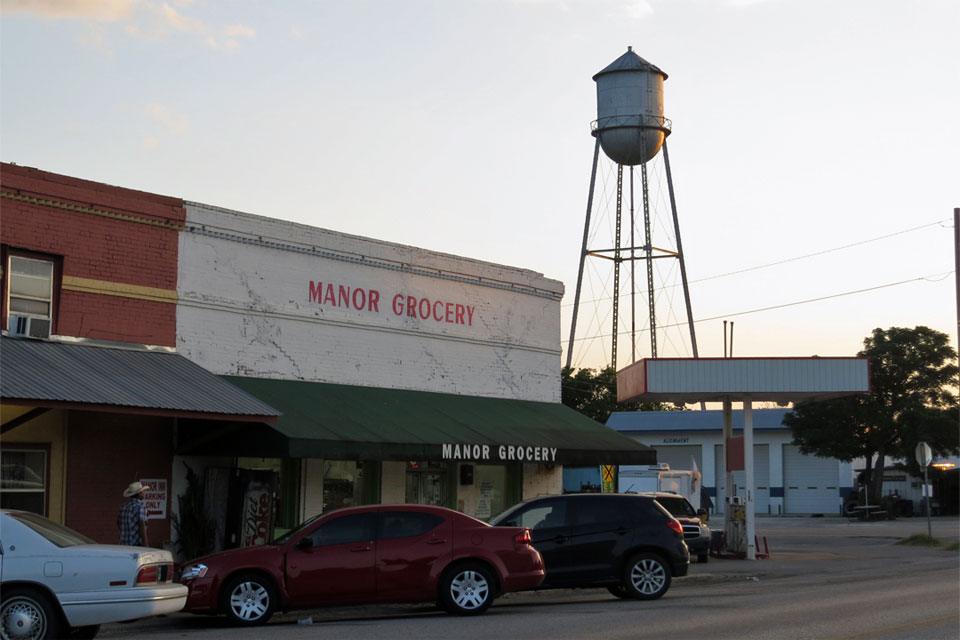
point(352, 422)
point(50, 373)
point(629, 61)
point(710, 420)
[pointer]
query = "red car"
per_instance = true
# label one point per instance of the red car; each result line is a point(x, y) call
point(361, 555)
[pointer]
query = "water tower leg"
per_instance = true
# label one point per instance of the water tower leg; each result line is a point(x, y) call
point(648, 246)
point(583, 253)
point(683, 266)
point(617, 260)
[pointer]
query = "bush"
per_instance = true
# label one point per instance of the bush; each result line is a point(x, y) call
point(920, 540)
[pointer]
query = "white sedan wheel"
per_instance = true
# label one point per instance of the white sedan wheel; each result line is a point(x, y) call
point(24, 617)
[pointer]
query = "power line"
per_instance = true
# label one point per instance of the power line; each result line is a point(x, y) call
point(932, 278)
point(937, 277)
point(802, 257)
point(825, 251)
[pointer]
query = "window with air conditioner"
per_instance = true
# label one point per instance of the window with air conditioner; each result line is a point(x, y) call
point(30, 296)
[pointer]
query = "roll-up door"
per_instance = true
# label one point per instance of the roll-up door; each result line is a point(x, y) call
point(810, 484)
point(761, 478)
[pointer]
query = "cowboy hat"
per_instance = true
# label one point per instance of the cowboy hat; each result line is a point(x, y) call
point(134, 488)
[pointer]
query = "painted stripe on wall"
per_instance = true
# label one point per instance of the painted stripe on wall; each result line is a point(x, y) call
point(104, 287)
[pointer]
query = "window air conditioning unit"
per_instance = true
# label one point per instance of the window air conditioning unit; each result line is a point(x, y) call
point(29, 327)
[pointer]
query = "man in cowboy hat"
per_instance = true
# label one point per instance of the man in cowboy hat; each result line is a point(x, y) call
point(132, 519)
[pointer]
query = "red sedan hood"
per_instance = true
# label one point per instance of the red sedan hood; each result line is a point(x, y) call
point(239, 556)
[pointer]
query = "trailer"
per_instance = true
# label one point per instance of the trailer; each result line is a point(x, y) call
point(660, 477)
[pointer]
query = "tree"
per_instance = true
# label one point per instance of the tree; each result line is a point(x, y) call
point(912, 399)
point(594, 394)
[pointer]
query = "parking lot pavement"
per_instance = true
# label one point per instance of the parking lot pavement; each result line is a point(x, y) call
point(798, 546)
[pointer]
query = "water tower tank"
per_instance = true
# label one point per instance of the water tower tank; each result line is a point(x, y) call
point(630, 122)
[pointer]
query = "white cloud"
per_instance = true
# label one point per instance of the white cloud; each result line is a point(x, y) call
point(106, 10)
point(227, 38)
point(239, 30)
point(179, 22)
point(174, 122)
point(639, 9)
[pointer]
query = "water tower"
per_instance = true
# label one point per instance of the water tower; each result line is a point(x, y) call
point(631, 130)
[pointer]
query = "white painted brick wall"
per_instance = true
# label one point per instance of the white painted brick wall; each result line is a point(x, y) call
point(245, 309)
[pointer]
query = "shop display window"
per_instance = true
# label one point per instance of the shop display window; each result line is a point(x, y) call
point(23, 479)
point(491, 484)
point(342, 484)
point(426, 483)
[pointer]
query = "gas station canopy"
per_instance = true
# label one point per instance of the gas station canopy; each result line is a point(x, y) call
point(746, 380)
point(691, 380)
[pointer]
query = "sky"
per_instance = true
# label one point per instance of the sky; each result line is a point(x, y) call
point(813, 146)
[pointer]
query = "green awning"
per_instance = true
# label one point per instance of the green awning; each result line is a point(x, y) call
point(334, 421)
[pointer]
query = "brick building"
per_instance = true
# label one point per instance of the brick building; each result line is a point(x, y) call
point(384, 372)
point(92, 389)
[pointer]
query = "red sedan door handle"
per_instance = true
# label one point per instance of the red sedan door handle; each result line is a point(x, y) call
point(360, 549)
point(436, 541)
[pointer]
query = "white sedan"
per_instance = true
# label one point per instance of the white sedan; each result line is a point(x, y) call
point(56, 581)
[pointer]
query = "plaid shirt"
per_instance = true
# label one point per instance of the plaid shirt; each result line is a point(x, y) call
point(131, 513)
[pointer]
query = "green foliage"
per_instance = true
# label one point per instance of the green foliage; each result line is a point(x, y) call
point(594, 393)
point(953, 546)
point(919, 540)
point(194, 528)
point(912, 398)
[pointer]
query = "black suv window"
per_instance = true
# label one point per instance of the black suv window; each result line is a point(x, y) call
point(540, 514)
point(595, 510)
point(398, 524)
point(359, 527)
point(677, 506)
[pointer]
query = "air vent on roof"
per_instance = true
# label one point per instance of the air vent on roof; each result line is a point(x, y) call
point(29, 327)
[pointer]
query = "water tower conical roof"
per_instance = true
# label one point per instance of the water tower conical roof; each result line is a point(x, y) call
point(629, 62)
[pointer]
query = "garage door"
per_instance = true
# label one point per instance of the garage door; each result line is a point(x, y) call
point(761, 478)
point(679, 457)
point(810, 484)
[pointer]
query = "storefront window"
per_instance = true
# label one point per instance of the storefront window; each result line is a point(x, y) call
point(23, 479)
point(426, 483)
point(342, 484)
point(491, 483)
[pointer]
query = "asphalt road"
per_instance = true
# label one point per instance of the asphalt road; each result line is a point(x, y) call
point(826, 579)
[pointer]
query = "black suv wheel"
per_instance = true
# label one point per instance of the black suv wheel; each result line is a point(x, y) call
point(646, 577)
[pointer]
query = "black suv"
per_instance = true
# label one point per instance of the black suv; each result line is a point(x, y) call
point(627, 543)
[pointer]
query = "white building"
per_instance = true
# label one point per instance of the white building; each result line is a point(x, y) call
point(786, 481)
point(402, 374)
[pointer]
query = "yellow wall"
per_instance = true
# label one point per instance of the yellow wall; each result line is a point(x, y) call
point(47, 429)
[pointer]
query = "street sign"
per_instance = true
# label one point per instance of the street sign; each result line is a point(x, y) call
point(924, 454)
point(608, 474)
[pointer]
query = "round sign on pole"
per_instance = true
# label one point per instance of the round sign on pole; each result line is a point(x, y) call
point(924, 454)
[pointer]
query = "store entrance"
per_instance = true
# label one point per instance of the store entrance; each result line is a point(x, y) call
point(426, 483)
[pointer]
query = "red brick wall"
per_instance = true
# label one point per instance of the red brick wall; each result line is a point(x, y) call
point(107, 452)
point(99, 248)
point(116, 318)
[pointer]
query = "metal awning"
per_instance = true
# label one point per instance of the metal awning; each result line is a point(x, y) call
point(321, 420)
point(50, 374)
